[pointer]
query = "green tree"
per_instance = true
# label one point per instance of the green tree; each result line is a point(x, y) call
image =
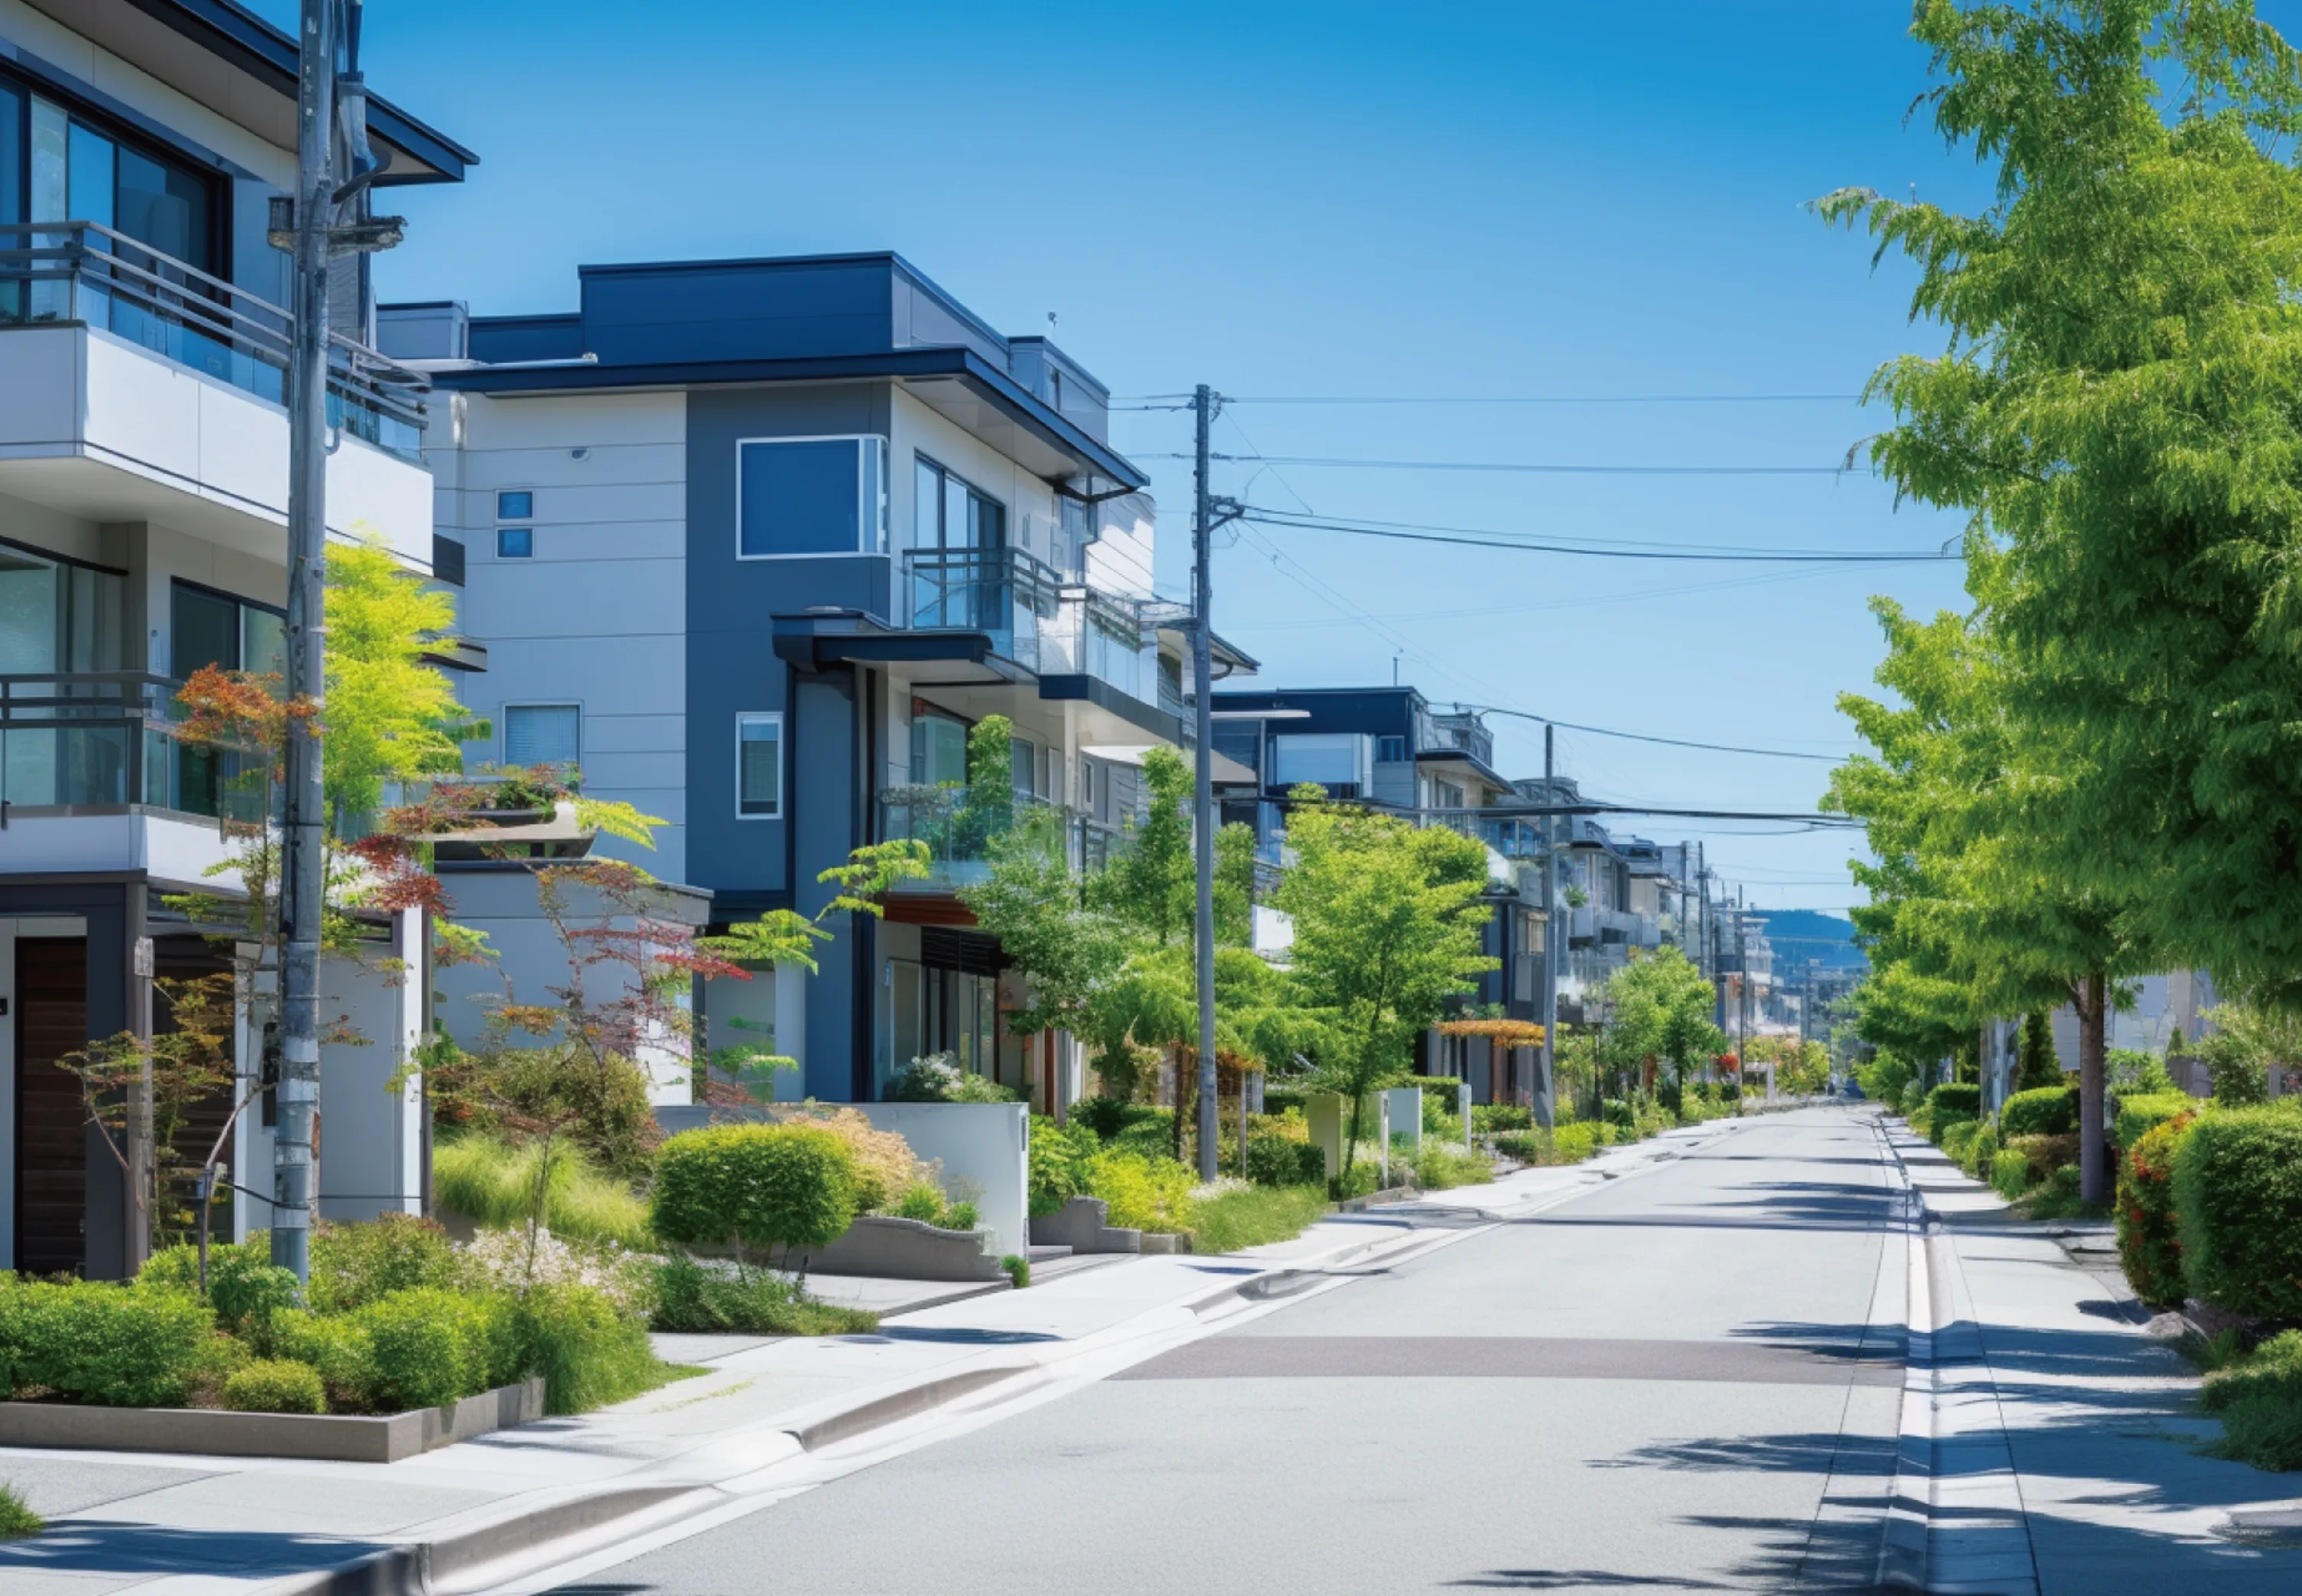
point(2036, 1063)
point(1659, 1008)
point(1387, 919)
point(1152, 886)
point(389, 716)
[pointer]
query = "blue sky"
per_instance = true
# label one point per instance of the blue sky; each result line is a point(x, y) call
point(1333, 199)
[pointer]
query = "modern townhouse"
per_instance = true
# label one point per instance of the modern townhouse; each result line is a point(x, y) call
point(1387, 747)
point(758, 546)
point(143, 507)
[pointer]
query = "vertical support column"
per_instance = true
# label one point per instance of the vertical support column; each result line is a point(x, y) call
point(143, 1156)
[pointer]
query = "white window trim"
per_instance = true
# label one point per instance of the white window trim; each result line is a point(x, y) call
point(782, 765)
point(864, 530)
point(495, 501)
point(504, 735)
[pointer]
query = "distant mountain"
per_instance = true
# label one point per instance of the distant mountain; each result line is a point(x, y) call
point(1799, 935)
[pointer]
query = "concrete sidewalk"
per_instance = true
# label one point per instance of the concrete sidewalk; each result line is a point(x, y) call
point(766, 1410)
point(2065, 1438)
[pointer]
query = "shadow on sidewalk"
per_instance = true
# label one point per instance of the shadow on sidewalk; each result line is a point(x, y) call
point(75, 1547)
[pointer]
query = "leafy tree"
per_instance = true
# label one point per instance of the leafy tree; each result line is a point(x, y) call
point(1387, 919)
point(2036, 1064)
point(1152, 886)
point(1661, 1009)
point(389, 716)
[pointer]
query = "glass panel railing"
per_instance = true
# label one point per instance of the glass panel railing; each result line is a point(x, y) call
point(105, 740)
point(965, 829)
point(56, 272)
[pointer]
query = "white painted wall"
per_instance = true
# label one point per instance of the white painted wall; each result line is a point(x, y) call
point(598, 617)
point(984, 1148)
point(371, 1134)
point(175, 852)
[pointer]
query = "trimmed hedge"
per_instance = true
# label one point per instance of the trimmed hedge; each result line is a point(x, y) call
point(2139, 1115)
point(2044, 1110)
point(1281, 1161)
point(758, 1186)
point(1959, 1098)
point(2238, 1195)
point(275, 1385)
point(97, 1342)
point(2149, 1239)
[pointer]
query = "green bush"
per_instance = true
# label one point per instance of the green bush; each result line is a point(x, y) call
point(1442, 1096)
point(2130, 1072)
point(694, 1299)
point(958, 1216)
point(1488, 1118)
point(1143, 1194)
point(2057, 1197)
point(2238, 1070)
point(1360, 1179)
point(924, 1201)
point(1232, 1220)
point(16, 1515)
point(1961, 1097)
point(2238, 1194)
point(2259, 1398)
point(589, 1352)
point(2044, 1110)
point(1439, 1166)
point(336, 1347)
point(1527, 1147)
point(1108, 1116)
point(1281, 1161)
point(1981, 1152)
point(355, 1265)
point(2149, 1238)
point(1060, 1154)
point(1150, 1135)
point(2144, 1113)
point(761, 1187)
point(1018, 1268)
point(245, 1288)
point(1958, 1139)
point(99, 1342)
point(2010, 1174)
point(428, 1346)
point(494, 1184)
point(275, 1385)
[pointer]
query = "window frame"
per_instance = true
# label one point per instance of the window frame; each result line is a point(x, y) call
point(750, 717)
point(548, 703)
point(185, 157)
point(945, 477)
point(504, 532)
point(867, 544)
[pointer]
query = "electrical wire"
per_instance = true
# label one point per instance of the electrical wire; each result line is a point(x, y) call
point(1356, 463)
point(1287, 520)
point(1601, 731)
point(1169, 401)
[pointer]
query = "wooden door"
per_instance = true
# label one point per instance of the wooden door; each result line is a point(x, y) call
point(51, 1125)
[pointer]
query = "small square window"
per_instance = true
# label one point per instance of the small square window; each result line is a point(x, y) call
point(1390, 751)
point(515, 506)
point(758, 766)
point(515, 542)
point(543, 735)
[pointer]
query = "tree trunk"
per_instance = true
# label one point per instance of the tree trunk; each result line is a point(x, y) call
point(2093, 1163)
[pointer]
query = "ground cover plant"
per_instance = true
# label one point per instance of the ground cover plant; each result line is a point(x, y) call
point(17, 1518)
point(1253, 1215)
point(2258, 1395)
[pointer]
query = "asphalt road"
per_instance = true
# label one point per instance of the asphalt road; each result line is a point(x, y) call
point(1671, 1384)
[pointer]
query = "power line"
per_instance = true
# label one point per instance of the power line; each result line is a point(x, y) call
point(1346, 462)
point(1601, 731)
point(1288, 521)
point(1163, 401)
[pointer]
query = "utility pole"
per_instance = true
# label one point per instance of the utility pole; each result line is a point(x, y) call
point(1741, 983)
point(1553, 933)
point(1203, 797)
point(330, 106)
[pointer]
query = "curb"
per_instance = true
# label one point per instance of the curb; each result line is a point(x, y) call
point(1910, 1502)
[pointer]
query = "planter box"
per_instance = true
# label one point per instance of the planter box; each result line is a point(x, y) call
point(341, 1438)
point(1162, 1241)
point(1082, 1225)
point(906, 1249)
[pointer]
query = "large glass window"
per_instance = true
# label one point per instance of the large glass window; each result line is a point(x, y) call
point(802, 496)
point(543, 735)
point(938, 749)
point(80, 170)
point(758, 766)
point(949, 514)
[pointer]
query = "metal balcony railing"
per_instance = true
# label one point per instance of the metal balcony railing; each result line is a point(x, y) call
point(54, 272)
point(1047, 624)
point(963, 825)
point(107, 739)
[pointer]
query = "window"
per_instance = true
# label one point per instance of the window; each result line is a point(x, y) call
point(82, 170)
point(515, 542)
point(938, 748)
point(543, 735)
point(515, 505)
point(1331, 759)
point(1390, 751)
point(213, 628)
point(947, 514)
point(810, 496)
point(758, 766)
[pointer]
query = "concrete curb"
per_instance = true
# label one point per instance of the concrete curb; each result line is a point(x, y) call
point(1910, 1502)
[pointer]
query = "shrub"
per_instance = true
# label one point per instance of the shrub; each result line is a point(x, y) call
point(2044, 1111)
point(1232, 1220)
point(428, 1346)
point(2139, 1115)
point(1279, 1160)
point(1957, 1097)
point(695, 1299)
point(2238, 1194)
point(16, 1515)
point(275, 1385)
point(1108, 1116)
point(1018, 1268)
point(2057, 1197)
point(1572, 1144)
point(1958, 1139)
point(1148, 1135)
point(494, 1184)
point(1527, 1147)
point(958, 1216)
point(1439, 1166)
point(2259, 1398)
point(245, 1288)
point(95, 1341)
point(2149, 1240)
point(886, 1167)
point(589, 1351)
point(1143, 1194)
point(2130, 1072)
point(2010, 1174)
point(760, 1186)
point(924, 1202)
point(1442, 1100)
point(1487, 1117)
point(2041, 1154)
point(937, 1077)
point(1981, 1152)
point(2238, 1070)
point(356, 1264)
point(1060, 1156)
point(337, 1347)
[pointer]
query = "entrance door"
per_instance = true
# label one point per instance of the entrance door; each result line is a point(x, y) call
point(50, 1124)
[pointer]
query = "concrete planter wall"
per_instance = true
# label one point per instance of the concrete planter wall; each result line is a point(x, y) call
point(341, 1438)
point(1082, 1224)
point(907, 1250)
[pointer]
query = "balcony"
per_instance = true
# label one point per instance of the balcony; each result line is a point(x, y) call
point(94, 775)
point(134, 387)
point(1048, 626)
point(962, 827)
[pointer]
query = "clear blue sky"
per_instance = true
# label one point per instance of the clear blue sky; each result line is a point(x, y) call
point(1337, 198)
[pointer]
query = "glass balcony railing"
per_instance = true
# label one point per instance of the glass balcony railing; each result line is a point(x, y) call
point(105, 740)
point(963, 829)
point(80, 272)
point(1048, 626)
